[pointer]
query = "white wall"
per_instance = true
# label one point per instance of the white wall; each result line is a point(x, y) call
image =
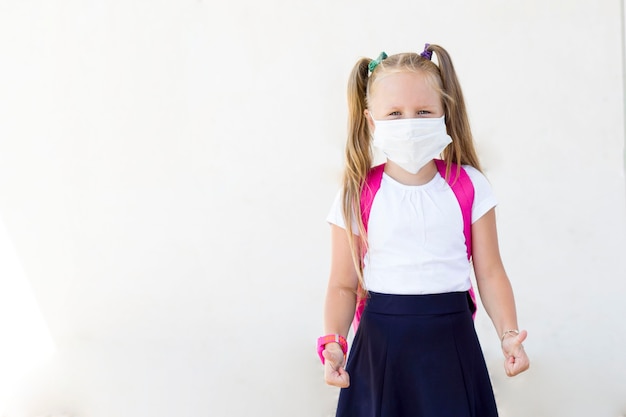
point(166, 168)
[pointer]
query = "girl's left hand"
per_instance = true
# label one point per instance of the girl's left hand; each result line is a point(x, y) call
point(516, 361)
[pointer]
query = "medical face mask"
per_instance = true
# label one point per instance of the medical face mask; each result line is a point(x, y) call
point(411, 143)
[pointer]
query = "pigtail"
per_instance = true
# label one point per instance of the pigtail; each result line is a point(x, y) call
point(461, 150)
point(358, 160)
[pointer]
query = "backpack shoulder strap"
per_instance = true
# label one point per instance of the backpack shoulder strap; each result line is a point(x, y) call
point(463, 190)
point(369, 190)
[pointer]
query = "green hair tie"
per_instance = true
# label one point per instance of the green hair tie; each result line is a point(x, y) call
point(374, 62)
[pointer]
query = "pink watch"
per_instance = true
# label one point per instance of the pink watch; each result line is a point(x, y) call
point(322, 341)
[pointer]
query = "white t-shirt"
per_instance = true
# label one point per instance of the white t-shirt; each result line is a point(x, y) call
point(415, 235)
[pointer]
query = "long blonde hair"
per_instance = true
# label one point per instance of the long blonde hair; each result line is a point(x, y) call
point(358, 146)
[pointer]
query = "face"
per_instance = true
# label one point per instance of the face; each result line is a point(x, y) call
point(403, 95)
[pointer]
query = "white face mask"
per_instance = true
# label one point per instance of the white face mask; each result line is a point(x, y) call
point(411, 143)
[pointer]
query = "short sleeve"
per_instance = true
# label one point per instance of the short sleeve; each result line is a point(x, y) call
point(335, 216)
point(484, 199)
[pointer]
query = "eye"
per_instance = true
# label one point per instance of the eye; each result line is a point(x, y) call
point(423, 112)
point(395, 113)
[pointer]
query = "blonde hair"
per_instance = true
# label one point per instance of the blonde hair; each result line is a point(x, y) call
point(358, 150)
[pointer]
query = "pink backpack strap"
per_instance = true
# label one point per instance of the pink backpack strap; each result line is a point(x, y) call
point(370, 188)
point(463, 189)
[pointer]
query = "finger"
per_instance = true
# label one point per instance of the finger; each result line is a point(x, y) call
point(522, 362)
point(519, 352)
point(517, 370)
point(335, 360)
point(514, 346)
point(329, 357)
point(515, 366)
point(509, 367)
point(338, 378)
point(344, 378)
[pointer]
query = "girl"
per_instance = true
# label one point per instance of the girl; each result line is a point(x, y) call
point(415, 352)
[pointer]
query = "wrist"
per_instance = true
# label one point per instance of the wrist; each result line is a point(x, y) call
point(331, 339)
point(509, 333)
point(333, 345)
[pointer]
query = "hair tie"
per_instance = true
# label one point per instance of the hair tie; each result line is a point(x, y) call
point(426, 53)
point(374, 62)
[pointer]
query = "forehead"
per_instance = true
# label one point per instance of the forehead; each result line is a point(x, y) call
point(404, 88)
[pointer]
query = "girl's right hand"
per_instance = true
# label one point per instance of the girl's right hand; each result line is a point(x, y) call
point(334, 372)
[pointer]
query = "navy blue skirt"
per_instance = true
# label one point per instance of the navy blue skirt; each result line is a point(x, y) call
point(417, 356)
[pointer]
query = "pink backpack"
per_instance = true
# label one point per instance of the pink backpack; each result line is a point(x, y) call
point(463, 190)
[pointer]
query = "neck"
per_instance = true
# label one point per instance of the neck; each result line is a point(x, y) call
point(423, 176)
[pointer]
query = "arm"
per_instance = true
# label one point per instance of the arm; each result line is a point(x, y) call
point(339, 306)
point(496, 292)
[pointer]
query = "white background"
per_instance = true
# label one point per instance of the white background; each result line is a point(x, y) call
point(166, 168)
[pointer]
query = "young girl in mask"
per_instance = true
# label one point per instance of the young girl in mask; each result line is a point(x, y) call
point(415, 352)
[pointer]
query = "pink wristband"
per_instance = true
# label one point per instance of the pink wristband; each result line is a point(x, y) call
point(322, 341)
